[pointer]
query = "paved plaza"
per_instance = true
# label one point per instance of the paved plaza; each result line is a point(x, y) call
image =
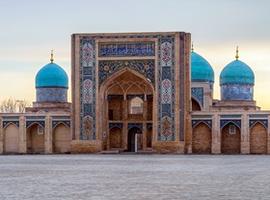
point(79, 177)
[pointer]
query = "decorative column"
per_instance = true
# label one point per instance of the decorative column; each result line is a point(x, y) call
point(125, 135)
point(125, 108)
point(22, 135)
point(106, 129)
point(245, 147)
point(144, 136)
point(48, 135)
point(167, 90)
point(145, 111)
point(216, 134)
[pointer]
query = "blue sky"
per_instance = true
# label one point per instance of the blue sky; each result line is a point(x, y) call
point(30, 29)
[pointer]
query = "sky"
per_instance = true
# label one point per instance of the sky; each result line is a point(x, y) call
point(29, 29)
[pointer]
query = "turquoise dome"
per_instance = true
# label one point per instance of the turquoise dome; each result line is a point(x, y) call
point(201, 70)
point(51, 75)
point(237, 72)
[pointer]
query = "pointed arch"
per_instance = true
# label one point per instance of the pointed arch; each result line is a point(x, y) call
point(258, 138)
point(10, 123)
point(201, 138)
point(59, 123)
point(35, 139)
point(198, 122)
point(31, 124)
point(256, 122)
point(230, 122)
point(110, 79)
point(115, 138)
point(11, 138)
point(230, 139)
point(61, 138)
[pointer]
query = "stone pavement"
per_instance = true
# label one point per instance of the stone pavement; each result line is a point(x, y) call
point(81, 177)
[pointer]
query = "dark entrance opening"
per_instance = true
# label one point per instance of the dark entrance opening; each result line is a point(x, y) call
point(132, 138)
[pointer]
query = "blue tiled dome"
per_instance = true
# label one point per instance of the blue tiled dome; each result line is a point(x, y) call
point(51, 75)
point(201, 70)
point(237, 72)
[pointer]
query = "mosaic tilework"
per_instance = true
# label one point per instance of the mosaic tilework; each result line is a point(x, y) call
point(10, 120)
point(87, 93)
point(87, 83)
point(127, 49)
point(39, 120)
point(252, 122)
point(115, 125)
point(135, 125)
point(56, 123)
point(166, 89)
point(165, 71)
point(51, 94)
point(30, 123)
point(237, 92)
point(208, 122)
point(224, 122)
point(144, 67)
point(197, 94)
point(182, 88)
point(56, 120)
point(7, 123)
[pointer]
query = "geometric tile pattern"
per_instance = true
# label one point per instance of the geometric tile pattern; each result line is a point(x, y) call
point(135, 125)
point(165, 72)
point(264, 122)
point(115, 125)
point(58, 122)
point(127, 49)
point(144, 67)
point(197, 94)
point(207, 122)
point(88, 89)
point(224, 122)
point(166, 89)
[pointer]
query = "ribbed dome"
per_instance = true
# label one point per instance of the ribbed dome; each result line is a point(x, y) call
point(51, 75)
point(201, 70)
point(237, 72)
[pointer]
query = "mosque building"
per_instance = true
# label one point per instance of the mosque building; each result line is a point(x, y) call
point(139, 92)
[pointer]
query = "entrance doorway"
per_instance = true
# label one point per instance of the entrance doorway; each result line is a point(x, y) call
point(127, 98)
point(134, 135)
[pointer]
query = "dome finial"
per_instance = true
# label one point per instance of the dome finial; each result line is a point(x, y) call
point(237, 51)
point(192, 47)
point(51, 56)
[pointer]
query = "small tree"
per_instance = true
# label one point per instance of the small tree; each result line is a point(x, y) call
point(11, 105)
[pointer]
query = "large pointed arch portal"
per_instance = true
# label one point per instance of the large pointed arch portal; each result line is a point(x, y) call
point(127, 98)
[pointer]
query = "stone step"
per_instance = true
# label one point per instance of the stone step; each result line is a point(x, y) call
point(147, 151)
point(110, 152)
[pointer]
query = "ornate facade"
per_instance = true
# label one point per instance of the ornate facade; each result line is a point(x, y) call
point(139, 92)
point(120, 68)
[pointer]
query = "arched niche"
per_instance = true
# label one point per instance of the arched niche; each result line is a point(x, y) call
point(258, 139)
point(115, 138)
point(230, 139)
point(61, 138)
point(11, 138)
point(201, 139)
point(35, 139)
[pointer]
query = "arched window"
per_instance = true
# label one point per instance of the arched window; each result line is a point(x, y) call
point(136, 106)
